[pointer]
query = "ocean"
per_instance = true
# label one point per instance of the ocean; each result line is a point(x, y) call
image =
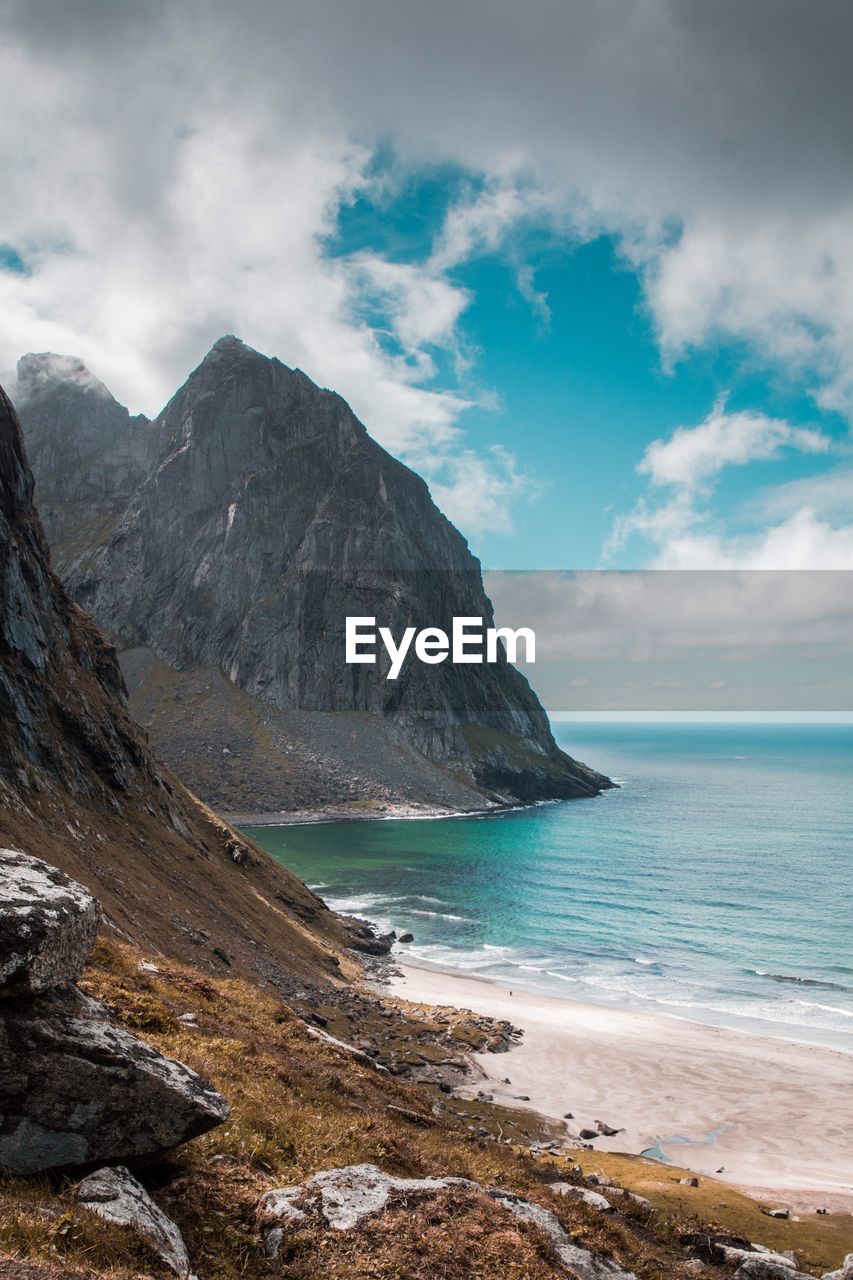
point(716, 884)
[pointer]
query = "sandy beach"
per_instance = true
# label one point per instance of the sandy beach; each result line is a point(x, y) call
point(764, 1114)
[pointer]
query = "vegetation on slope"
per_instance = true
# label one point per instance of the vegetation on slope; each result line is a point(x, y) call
point(301, 1105)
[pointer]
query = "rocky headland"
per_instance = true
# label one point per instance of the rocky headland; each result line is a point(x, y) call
point(224, 544)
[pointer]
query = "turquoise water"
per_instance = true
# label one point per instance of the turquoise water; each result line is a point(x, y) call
point(715, 884)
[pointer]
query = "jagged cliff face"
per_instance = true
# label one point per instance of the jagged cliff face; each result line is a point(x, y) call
point(268, 515)
point(80, 788)
point(90, 455)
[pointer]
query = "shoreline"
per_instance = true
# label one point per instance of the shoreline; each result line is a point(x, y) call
point(767, 1115)
point(387, 813)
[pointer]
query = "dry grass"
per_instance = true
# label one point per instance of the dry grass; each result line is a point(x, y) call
point(299, 1106)
point(820, 1242)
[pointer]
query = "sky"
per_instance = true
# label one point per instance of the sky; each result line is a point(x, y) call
point(735, 642)
point(586, 266)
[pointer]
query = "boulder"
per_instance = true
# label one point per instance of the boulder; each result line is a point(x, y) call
point(116, 1196)
point(76, 1091)
point(340, 1198)
point(48, 925)
point(593, 1199)
point(759, 1266)
point(735, 1256)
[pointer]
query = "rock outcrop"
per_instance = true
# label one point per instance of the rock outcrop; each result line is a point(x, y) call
point(117, 1197)
point(74, 1088)
point(592, 1199)
point(269, 516)
point(341, 1198)
point(79, 784)
point(89, 454)
point(48, 926)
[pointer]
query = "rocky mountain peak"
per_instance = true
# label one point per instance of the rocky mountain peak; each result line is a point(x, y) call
point(45, 372)
point(87, 451)
point(235, 390)
point(267, 517)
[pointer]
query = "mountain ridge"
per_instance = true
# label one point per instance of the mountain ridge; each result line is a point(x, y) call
point(81, 789)
point(269, 515)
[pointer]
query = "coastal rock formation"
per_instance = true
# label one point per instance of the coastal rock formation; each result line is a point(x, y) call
point(74, 1088)
point(116, 1196)
point(341, 1198)
point(268, 516)
point(48, 925)
point(79, 784)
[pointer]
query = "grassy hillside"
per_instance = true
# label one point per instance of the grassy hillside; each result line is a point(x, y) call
point(301, 1105)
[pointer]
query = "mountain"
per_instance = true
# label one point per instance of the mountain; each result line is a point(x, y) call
point(80, 788)
point(92, 460)
point(267, 515)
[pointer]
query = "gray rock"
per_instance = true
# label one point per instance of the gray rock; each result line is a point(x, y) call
point(777, 1213)
point(757, 1266)
point(88, 453)
point(116, 1196)
point(735, 1256)
point(593, 1199)
point(75, 1090)
point(606, 1130)
point(359, 1055)
point(340, 1198)
point(48, 925)
point(688, 1182)
point(63, 720)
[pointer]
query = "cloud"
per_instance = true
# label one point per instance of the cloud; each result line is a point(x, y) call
point(48, 369)
point(685, 640)
point(422, 307)
point(478, 491)
point(694, 455)
point(683, 531)
point(173, 172)
point(804, 541)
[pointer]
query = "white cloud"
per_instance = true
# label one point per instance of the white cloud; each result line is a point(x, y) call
point(694, 455)
point(422, 307)
point(804, 541)
point(683, 531)
point(478, 491)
